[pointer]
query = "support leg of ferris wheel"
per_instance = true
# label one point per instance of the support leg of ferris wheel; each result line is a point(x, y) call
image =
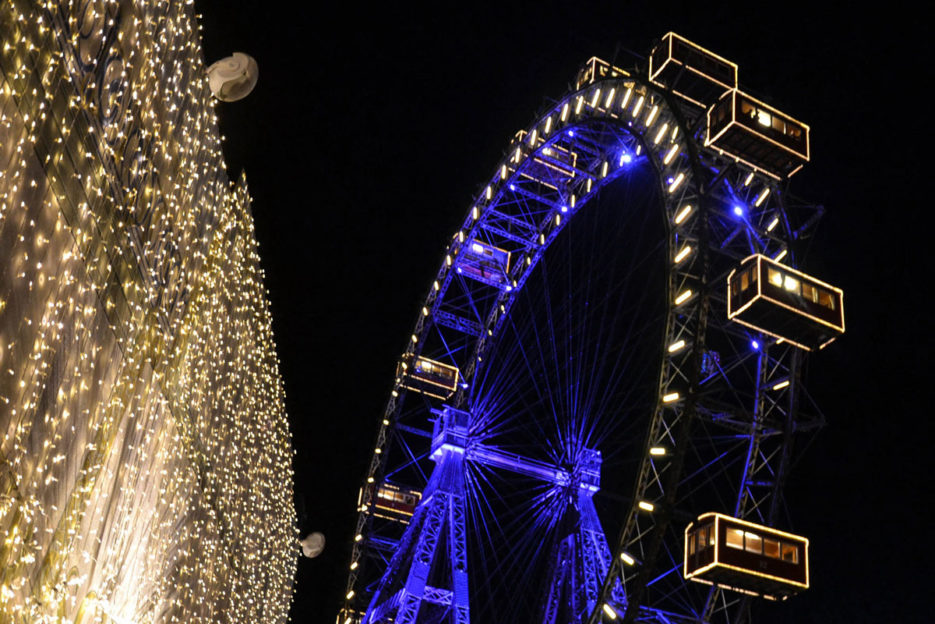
point(439, 519)
point(579, 564)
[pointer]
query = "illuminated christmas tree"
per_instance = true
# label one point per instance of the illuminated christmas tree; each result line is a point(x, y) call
point(145, 457)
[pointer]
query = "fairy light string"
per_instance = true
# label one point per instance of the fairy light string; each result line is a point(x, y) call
point(145, 457)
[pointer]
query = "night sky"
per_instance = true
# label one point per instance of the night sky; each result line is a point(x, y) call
point(370, 130)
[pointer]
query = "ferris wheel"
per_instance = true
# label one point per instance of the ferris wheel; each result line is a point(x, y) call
point(612, 346)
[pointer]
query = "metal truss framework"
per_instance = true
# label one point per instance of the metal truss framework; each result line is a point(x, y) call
point(439, 520)
point(728, 401)
point(577, 567)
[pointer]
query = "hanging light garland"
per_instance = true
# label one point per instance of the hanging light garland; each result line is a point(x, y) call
point(145, 457)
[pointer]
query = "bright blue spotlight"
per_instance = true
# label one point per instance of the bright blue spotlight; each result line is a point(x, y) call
point(512, 187)
point(670, 180)
point(564, 208)
point(570, 133)
point(755, 344)
point(625, 158)
point(738, 210)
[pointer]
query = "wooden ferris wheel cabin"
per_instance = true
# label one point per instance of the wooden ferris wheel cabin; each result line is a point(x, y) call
point(746, 557)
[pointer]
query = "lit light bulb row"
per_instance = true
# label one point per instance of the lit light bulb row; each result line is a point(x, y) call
point(757, 210)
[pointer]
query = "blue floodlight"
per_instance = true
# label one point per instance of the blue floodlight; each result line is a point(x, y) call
point(564, 208)
point(625, 158)
point(570, 133)
point(755, 344)
point(738, 210)
point(512, 187)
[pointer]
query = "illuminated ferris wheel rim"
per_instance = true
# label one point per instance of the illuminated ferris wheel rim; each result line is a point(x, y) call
point(644, 124)
point(656, 131)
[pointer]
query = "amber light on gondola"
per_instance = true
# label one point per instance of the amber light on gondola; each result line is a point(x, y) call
point(745, 557)
point(785, 303)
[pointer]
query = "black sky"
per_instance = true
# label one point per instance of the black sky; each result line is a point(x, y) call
point(371, 128)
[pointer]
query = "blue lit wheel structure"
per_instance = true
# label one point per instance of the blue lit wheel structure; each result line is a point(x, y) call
point(600, 389)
